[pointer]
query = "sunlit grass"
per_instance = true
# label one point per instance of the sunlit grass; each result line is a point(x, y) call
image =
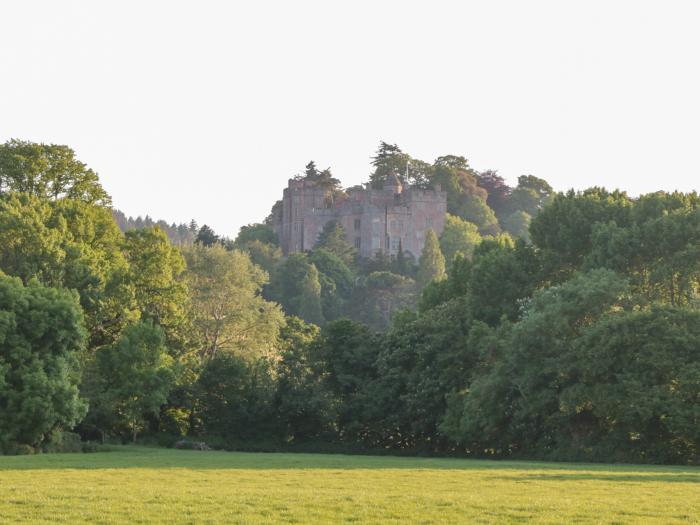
point(142, 485)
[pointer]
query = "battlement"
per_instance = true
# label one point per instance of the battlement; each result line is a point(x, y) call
point(394, 217)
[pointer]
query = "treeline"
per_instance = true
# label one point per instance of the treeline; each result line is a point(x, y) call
point(581, 341)
point(581, 345)
point(179, 234)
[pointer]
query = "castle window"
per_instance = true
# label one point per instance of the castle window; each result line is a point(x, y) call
point(357, 224)
point(358, 242)
point(395, 243)
point(429, 222)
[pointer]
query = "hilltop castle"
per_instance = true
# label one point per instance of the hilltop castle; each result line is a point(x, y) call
point(388, 219)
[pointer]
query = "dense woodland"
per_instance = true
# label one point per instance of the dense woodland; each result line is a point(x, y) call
point(538, 324)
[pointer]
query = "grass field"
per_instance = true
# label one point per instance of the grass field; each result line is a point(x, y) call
point(143, 485)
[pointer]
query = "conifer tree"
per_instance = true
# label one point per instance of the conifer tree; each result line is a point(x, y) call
point(431, 266)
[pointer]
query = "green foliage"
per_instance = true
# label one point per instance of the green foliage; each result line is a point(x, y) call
point(333, 239)
point(296, 286)
point(302, 404)
point(563, 230)
point(228, 312)
point(42, 338)
point(235, 398)
point(207, 237)
point(49, 172)
point(502, 276)
point(423, 361)
point(156, 272)
point(336, 280)
point(136, 375)
point(388, 160)
point(255, 232)
point(431, 265)
point(458, 237)
point(465, 199)
point(378, 296)
point(266, 256)
point(580, 345)
point(517, 224)
point(344, 354)
point(310, 297)
point(71, 244)
point(513, 404)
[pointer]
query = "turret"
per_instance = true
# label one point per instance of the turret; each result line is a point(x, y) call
point(393, 182)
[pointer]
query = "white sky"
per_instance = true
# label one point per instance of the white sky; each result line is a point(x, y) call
point(204, 109)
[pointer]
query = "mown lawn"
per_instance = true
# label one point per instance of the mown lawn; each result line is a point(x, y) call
point(143, 485)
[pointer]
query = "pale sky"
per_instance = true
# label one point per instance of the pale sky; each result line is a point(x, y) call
point(204, 109)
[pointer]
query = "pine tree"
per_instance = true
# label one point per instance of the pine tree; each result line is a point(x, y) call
point(333, 239)
point(431, 266)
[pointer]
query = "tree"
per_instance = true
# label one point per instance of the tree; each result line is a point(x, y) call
point(659, 250)
point(465, 198)
point(431, 265)
point(293, 283)
point(156, 271)
point(502, 276)
point(235, 398)
point(255, 232)
point(333, 239)
point(634, 386)
point(207, 237)
point(344, 355)
point(310, 297)
point(497, 189)
point(458, 236)
point(42, 339)
point(48, 171)
point(265, 255)
point(136, 374)
point(563, 230)
point(228, 312)
point(74, 245)
point(303, 406)
point(388, 159)
point(513, 405)
point(540, 186)
point(422, 361)
point(378, 296)
point(336, 280)
point(517, 225)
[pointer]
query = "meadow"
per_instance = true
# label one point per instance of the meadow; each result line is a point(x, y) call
point(149, 485)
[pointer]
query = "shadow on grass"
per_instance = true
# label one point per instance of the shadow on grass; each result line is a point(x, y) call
point(125, 457)
point(624, 476)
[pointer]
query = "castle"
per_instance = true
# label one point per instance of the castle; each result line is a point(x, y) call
point(390, 219)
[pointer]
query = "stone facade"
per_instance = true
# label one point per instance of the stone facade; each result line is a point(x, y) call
point(374, 220)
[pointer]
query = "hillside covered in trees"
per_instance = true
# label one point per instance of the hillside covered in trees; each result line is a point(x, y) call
point(538, 324)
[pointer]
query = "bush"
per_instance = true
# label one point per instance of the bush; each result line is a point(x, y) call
point(63, 442)
point(90, 446)
point(16, 449)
